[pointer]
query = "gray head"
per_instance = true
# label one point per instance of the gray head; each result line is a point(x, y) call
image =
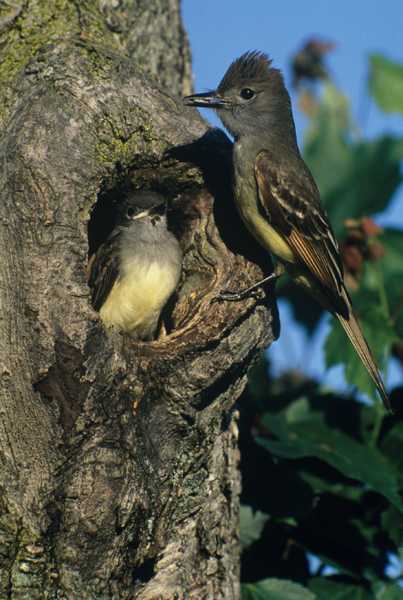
point(142, 206)
point(251, 98)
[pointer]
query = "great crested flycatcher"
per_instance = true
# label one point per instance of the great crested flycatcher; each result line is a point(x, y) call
point(275, 192)
point(133, 274)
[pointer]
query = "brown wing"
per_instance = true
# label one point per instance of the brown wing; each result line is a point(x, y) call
point(103, 269)
point(290, 200)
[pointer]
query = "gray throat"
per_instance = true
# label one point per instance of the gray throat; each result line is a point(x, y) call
point(149, 243)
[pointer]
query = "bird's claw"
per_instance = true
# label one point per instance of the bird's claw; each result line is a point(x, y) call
point(233, 296)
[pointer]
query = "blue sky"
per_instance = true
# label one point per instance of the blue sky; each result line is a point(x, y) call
point(221, 30)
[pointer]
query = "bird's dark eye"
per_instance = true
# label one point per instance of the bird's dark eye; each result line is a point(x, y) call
point(247, 93)
point(130, 211)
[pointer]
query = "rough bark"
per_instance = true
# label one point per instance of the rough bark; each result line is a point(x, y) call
point(118, 470)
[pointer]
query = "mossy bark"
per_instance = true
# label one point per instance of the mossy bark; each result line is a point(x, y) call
point(118, 470)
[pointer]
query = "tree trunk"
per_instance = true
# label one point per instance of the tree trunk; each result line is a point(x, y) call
point(118, 460)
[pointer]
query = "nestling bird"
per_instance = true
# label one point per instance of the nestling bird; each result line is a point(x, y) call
point(275, 192)
point(135, 272)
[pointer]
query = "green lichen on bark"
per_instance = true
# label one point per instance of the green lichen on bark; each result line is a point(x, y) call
point(9, 527)
point(38, 23)
point(26, 568)
point(127, 149)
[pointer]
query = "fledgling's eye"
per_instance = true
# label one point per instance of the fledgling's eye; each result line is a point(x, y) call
point(130, 211)
point(247, 93)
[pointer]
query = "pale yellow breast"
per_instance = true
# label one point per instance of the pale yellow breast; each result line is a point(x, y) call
point(246, 200)
point(136, 300)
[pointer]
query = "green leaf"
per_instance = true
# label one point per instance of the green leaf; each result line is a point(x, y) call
point(392, 241)
point(392, 446)
point(275, 589)
point(386, 83)
point(386, 591)
point(251, 526)
point(308, 435)
point(354, 178)
point(391, 267)
point(373, 176)
point(326, 589)
point(379, 333)
point(370, 177)
point(392, 522)
point(323, 484)
point(326, 150)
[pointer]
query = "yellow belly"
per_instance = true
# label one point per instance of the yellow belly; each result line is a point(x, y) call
point(259, 227)
point(136, 300)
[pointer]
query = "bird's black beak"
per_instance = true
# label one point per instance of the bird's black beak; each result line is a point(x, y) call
point(205, 100)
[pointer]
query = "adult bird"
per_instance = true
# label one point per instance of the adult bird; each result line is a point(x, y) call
point(275, 192)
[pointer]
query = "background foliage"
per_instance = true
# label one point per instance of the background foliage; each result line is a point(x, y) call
point(322, 513)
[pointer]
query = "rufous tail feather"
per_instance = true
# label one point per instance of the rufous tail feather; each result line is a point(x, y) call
point(354, 332)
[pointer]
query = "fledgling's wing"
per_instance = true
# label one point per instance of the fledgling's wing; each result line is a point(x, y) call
point(103, 269)
point(290, 200)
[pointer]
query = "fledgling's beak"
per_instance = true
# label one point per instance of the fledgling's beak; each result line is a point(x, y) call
point(157, 209)
point(205, 100)
point(140, 215)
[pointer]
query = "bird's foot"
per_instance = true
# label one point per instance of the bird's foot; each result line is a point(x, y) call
point(252, 291)
point(228, 296)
